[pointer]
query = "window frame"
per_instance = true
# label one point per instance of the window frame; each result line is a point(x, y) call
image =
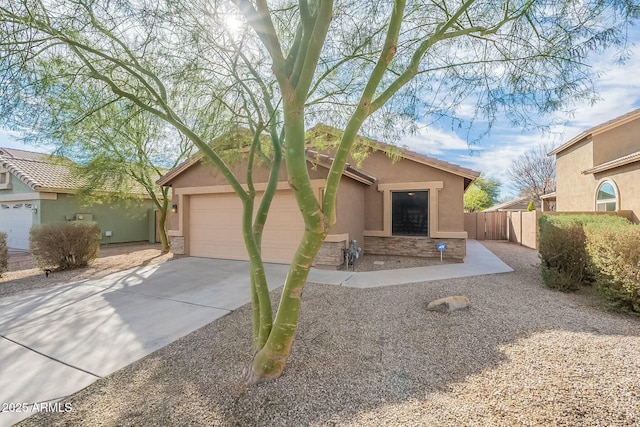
point(605, 202)
point(424, 223)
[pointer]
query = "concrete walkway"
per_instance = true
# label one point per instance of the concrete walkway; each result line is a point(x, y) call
point(54, 342)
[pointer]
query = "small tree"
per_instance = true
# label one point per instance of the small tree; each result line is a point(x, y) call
point(476, 199)
point(482, 194)
point(120, 150)
point(533, 174)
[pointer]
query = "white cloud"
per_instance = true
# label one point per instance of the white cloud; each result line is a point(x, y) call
point(433, 142)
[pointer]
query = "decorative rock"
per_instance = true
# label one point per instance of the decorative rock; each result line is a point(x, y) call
point(449, 304)
point(378, 262)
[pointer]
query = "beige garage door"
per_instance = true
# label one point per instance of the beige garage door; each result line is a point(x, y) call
point(215, 227)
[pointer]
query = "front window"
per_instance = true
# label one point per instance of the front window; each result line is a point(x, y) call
point(409, 213)
point(606, 200)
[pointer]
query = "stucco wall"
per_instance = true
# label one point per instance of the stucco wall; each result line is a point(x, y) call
point(206, 174)
point(17, 187)
point(627, 183)
point(128, 222)
point(575, 191)
point(350, 208)
point(616, 142)
point(450, 209)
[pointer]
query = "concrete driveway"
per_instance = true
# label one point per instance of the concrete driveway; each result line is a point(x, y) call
point(54, 342)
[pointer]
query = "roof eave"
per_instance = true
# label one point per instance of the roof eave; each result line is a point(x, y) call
point(633, 158)
point(165, 179)
point(580, 137)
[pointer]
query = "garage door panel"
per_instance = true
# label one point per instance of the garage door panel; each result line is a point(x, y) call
point(215, 227)
point(16, 219)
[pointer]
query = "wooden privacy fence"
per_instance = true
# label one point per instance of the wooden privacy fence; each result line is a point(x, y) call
point(523, 228)
point(486, 225)
point(517, 227)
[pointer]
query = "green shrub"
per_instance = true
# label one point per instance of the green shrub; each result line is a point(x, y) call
point(615, 254)
point(600, 249)
point(4, 253)
point(65, 246)
point(563, 254)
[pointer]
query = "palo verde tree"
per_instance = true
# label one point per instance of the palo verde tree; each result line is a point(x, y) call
point(119, 150)
point(362, 64)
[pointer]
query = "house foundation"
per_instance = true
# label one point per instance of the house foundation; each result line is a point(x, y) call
point(418, 246)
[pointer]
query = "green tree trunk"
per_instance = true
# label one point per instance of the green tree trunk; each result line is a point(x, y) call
point(162, 224)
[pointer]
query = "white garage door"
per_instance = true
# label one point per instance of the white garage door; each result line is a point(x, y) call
point(215, 227)
point(16, 220)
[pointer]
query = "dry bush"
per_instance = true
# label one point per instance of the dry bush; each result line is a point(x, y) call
point(65, 246)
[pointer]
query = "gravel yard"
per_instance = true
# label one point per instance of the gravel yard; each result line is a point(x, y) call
point(23, 276)
point(521, 355)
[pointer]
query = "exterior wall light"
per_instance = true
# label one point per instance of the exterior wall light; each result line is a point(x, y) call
point(174, 208)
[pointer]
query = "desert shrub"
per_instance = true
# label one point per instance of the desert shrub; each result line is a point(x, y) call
point(566, 264)
point(4, 253)
point(563, 255)
point(66, 245)
point(615, 254)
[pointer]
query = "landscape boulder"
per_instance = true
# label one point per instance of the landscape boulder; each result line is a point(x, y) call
point(449, 304)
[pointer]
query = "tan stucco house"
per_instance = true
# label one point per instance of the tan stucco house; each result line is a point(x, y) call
point(403, 206)
point(599, 170)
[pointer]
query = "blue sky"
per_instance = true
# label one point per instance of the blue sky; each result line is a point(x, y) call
point(618, 89)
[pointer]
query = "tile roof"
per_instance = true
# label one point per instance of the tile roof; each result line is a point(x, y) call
point(618, 121)
point(49, 173)
point(621, 161)
point(41, 172)
point(469, 175)
point(326, 161)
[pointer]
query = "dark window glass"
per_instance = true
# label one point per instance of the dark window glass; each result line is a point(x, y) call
point(409, 213)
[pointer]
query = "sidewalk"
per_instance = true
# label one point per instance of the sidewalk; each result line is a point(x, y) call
point(479, 261)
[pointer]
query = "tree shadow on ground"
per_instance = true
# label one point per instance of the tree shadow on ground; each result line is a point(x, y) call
point(520, 354)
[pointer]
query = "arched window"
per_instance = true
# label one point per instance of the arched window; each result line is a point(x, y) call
point(606, 198)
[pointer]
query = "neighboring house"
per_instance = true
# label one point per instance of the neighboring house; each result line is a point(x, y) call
point(599, 170)
point(38, 188)
point(519, 204)
point(401, 207)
